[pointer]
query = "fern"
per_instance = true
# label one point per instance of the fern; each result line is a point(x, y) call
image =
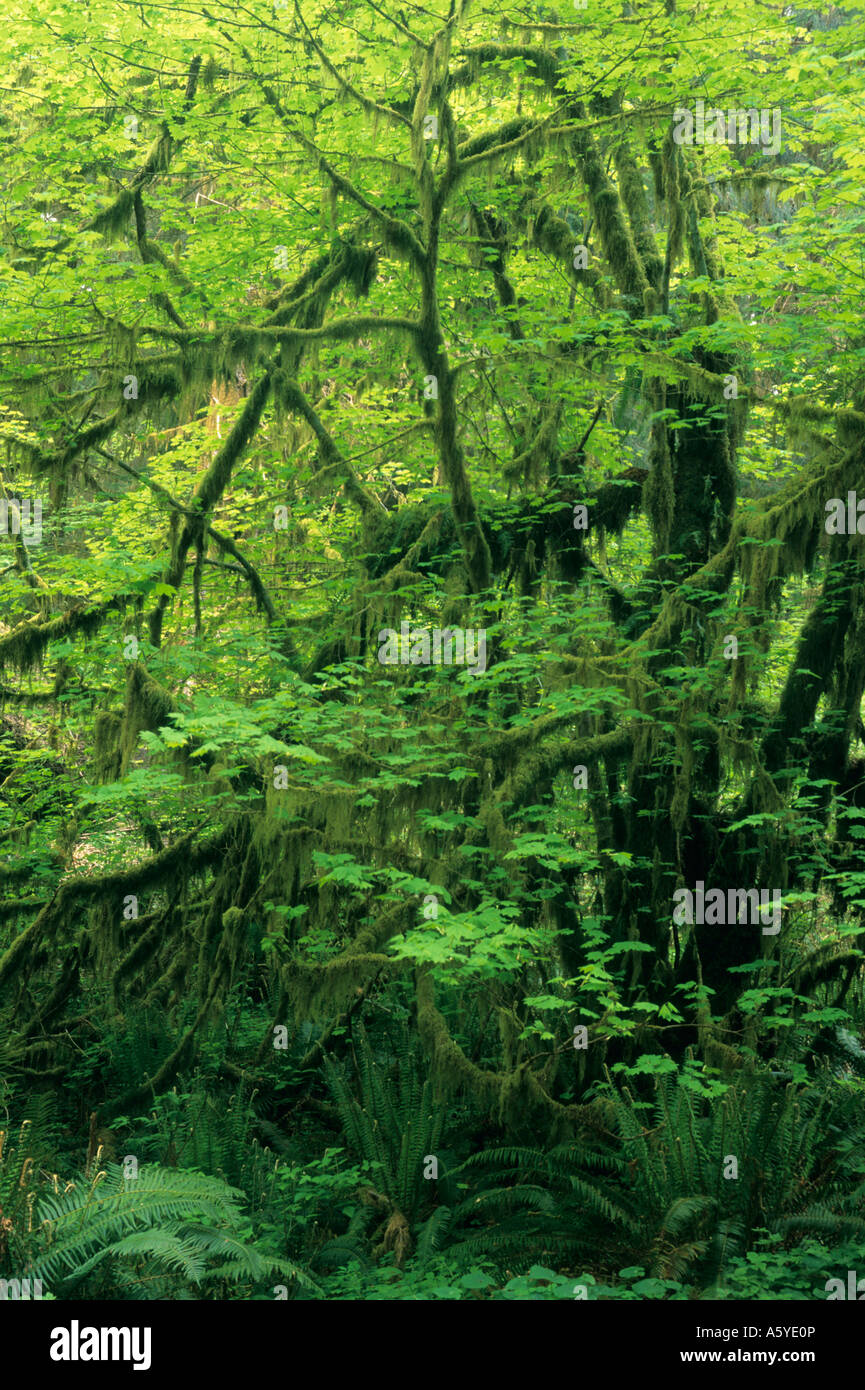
point(392, 1122)
point(434, 1234)
point(657, 1195)
point(185, 1223)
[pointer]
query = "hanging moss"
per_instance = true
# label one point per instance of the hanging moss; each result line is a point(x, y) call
point(530, 464)
point(321, 990)
point(25, 647)
point(542, 60)
point(800, 412)
point(671, 164)
point(208, 493)
point(112, 221)
point(28, 952)
point(107, 756)
point(658, 492)
point(148, 706)
point(607, 209)
point(155, 930)
point(513, 1097)
point(634, 197)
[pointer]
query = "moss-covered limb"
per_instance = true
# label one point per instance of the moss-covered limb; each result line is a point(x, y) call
point(794, 516)
point(197, 576)
point(158, 380)
point(398, 233)
point(516, 1097)
point(301, 290)
point(107, 757)
point(702, 384)
point(704, 482)
point(535, 442)
point(154, 929)
point(331, 652)
point(172, 983)
point(313, 1058)
point(672, 170)
point(370, 107)
point(20, 907)
point(510, 139)
point(543, 60)
point(304, 303)
point(64, 988)
point(701, 261)
point(25, 646)
point(113, 218)
point(225, 543)
point(850, 424)
point(817, 654)
point(321, 988)
point(318, 989)
point(552, 235)
point(833, 625)
point(698, 192)
point(400, 25)
point(23, 563)
point(634, 198)
point(434, 356)
point(208, 493)
point(450, 136)
point(147, 706)
point(838, 727)
point(537, 767)
point(162, 1078)
point(475, 548)
point(797, 507)
point(331, 1035)
point(406, 565)
point(423, 531)
point(376, 934)
point(420, 536)
point(823, 966)
point(522, 741)
point(452, 1067)
point(223, 969)
point(150, 483)
point(182, 859)
point(615, 501)
point(615, 232)
point(83, 440)
point(848, 683)
point(256, 583)
point(492, 143)
point(492, 240)
point(294, 399)
point(619, 245)
point(251, 339)
point(16, 956)
point(151, 251)
point(15, 873)
point(234, 885)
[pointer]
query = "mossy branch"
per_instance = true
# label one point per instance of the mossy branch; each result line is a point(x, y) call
point(25, 646)
point(370, 107)
point(209, 491)
point(182, 859)
point(329, 453)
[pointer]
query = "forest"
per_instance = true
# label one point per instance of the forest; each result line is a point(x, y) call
point(432, 650)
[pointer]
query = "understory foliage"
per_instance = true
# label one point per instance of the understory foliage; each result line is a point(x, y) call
point(330, 969)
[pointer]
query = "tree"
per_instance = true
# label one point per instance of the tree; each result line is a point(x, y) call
point(330, 330)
